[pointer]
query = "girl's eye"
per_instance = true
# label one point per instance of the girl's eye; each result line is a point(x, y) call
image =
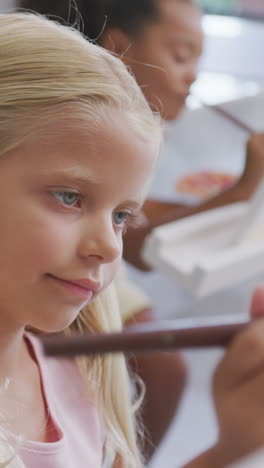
point(67, 198)
point(120, 217)
point(179, 59)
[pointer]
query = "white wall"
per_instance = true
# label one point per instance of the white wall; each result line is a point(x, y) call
point(6, 4)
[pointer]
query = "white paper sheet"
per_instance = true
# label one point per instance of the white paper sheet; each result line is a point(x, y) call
point(255, 460)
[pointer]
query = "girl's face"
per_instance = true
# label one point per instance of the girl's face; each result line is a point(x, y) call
point(164, 57)
point(65, 201)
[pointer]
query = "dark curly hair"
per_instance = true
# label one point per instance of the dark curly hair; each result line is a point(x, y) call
point(93, 16)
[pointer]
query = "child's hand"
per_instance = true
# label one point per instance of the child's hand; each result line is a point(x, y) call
point(257, 303)
point(254, 166)
point(238, 389)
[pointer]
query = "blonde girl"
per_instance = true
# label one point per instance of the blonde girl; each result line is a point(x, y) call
point(78, 144)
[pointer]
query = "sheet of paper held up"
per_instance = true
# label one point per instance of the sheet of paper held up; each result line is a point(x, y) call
point(222, 247)
point(249, 110)
point(251, 226)
point(212, 250)
point(204, 141)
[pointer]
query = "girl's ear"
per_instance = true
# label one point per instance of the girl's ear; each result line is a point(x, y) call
point(115, 40)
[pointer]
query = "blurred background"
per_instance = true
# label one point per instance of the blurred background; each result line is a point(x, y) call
point(247, 8)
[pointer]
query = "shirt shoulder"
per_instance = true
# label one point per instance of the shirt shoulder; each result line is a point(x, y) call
point(74, 414)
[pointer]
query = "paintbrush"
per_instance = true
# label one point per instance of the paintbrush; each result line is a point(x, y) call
point(161, 336)
point(226, 114)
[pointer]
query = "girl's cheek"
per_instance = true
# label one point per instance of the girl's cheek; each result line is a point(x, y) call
point(115, 268)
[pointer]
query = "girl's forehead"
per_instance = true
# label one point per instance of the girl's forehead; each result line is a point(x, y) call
point(183, 14)
point(69, 139)
point(180, 25)
point(179, 22)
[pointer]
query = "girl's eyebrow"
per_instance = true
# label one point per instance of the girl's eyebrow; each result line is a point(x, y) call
point(74, 175)
point(186, 42)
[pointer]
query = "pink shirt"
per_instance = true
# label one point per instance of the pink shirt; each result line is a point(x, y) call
point(78, 437)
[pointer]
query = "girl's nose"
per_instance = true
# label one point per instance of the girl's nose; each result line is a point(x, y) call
point(101, 242)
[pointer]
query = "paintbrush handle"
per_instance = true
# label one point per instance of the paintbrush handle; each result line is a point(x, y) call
point(136, 340)
point(239, 123)
point(222, 111)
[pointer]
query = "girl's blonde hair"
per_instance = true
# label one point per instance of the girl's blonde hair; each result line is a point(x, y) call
point(46, 69)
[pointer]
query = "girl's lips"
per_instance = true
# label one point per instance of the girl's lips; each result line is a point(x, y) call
point(84, 289)
point(86, 283)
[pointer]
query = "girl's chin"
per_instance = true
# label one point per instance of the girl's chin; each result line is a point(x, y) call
point(174, 114)
point(54, 326)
